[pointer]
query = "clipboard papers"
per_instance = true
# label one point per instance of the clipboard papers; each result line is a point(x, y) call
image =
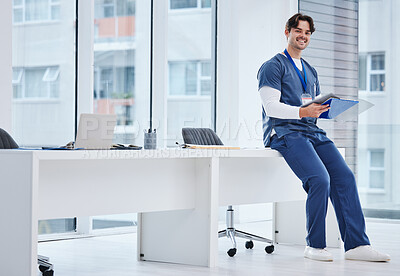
point(337, 105)
point(321, 99)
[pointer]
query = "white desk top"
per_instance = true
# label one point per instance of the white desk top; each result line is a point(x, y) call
point(165, 153)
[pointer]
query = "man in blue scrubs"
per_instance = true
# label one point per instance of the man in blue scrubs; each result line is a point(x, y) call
point(286, 82)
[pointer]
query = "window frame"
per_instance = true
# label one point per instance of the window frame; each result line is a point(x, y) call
point(115, 6)
point(22, 6)
point(199, 78)
point(197, 8)
point(48, 83)
point(373, 168)
point(369, 72)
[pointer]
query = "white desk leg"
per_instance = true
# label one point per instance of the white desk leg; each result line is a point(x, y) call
point(186, 236)
point(18, 198)
point(290, 224)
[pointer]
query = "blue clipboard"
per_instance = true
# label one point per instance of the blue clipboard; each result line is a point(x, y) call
point(338, 106)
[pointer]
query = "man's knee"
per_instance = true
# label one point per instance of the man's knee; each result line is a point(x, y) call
point(319, 182)
point(345, 175)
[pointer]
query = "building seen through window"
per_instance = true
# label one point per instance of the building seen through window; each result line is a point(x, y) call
point(378, 127)
point(372, 72)
point(35, 10)
point(189, 4)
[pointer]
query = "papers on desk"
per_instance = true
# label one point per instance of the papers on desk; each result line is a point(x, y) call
point(337, 105)
point(190, 146)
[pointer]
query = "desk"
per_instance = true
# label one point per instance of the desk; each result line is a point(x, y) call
point(176, 191)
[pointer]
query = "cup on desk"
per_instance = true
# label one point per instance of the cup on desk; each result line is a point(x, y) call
point(150, 140)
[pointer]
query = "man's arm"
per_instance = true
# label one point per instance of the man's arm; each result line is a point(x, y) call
point(274, 108)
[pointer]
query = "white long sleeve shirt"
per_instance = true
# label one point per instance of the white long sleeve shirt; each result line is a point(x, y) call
point(273, 107)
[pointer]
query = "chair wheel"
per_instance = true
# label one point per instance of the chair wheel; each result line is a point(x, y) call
point(231, 252)
point(249, 245)
point(269, 249)
point(48, 273)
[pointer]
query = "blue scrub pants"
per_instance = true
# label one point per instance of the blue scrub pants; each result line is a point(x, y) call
point(314, 158)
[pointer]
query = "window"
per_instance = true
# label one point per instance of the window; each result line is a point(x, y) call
point(125, 7)
point(189, 91)
point(189, 4)
point(35, 10)
point(43, 81)
point(190, 78)
point(113, 92)
point(376, 160)
point(372, 72)
point(114, 8)
point(36, 82)
point(116, 61)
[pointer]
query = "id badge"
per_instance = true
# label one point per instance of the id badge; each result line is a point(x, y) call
point(306, 98)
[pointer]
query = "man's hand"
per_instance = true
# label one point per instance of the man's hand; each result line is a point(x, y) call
point(313, 110)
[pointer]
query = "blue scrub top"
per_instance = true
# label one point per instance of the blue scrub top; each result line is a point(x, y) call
point(280, 74)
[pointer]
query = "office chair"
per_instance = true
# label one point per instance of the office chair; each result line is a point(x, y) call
point(7, 142)
point(206, 136)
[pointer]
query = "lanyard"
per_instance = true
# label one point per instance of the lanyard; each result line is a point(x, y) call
point(303, 81)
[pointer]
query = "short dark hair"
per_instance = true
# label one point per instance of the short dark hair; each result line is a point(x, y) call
point(293, 21)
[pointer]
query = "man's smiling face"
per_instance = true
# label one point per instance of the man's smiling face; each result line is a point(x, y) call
point(299, 37)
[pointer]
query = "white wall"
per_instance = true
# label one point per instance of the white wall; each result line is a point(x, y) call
point(249, 33)
point(6, 65)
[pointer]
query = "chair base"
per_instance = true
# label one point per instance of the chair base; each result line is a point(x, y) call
point(44, 266)
point(230, 232)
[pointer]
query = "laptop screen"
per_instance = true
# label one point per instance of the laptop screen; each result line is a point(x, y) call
point(95, 131)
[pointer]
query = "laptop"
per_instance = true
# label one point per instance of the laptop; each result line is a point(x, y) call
point(95, 131)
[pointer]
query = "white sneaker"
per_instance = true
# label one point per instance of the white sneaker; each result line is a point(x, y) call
point(318, 254)
point(366, 253)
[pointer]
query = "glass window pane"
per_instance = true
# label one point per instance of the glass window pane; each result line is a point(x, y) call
point(377, 82)
point(125, 7)
point(17, 75)
point(206, 3)
point(205, 87)
point(55, 12)
point(378, 62)
point(17, 2)
point(377, 179)
point(37, 120)
point(35, 86)
point(54, 89)
point(377, 159)
point(206, 69)
point(107, 83)
point(378, 126)
point(51, 74)
point(17, 15)
point(108, 11)
point(362, 72)
point(190, 78)
point(17, 91)
point(121, 77)
point(190, 70)
point(176, 78)
point(37, 54)
point(36, 10)
point(116, 63)
point(183, 4)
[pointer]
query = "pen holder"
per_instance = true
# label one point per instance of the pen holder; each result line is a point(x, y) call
point(150, 140)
